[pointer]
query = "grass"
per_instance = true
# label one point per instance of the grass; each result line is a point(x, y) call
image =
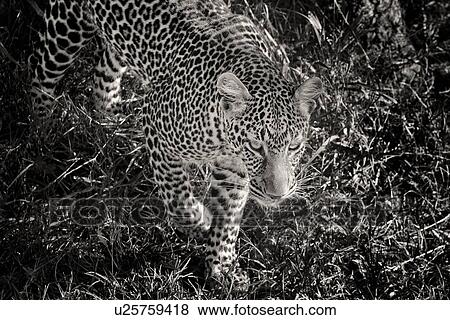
point(371, 222)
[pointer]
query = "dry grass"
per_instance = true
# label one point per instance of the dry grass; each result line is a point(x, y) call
point(371, 222)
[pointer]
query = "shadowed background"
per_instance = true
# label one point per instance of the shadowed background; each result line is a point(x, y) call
point(371, 222)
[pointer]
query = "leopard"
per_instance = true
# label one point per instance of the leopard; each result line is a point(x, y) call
point(216, 96)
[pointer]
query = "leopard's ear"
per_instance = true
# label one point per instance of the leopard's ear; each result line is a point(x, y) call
point(231, 87)
point(233, 92)
point(305, 95)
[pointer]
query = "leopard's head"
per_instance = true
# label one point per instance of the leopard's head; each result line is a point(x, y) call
point(268, 122)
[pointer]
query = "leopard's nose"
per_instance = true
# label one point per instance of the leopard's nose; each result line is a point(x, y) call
point(277, 186)
point(277, 193)
point(276, 177)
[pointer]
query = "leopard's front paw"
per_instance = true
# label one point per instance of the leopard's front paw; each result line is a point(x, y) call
point(235, 278)
point(195, 223)
point(241, 280)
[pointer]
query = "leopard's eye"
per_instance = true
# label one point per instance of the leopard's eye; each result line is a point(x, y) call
point(296, 146)
point(256, 146)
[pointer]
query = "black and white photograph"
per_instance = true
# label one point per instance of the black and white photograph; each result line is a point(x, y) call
point(225, 150)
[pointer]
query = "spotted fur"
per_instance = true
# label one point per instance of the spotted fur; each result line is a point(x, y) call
point(216, 97)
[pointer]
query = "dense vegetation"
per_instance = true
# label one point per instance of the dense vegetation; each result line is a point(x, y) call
point(371, 222)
